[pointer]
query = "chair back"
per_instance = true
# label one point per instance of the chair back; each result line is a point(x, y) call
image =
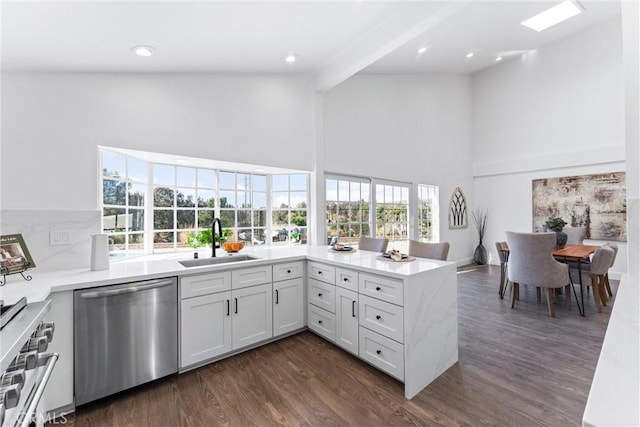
point(371, 244)
point(503, 251)
point(615, 251)
point(575, 235)
point(601, 260)
point(531, 261)
point(429, 250)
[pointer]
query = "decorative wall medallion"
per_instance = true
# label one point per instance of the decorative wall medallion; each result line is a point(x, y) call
point(458, 210)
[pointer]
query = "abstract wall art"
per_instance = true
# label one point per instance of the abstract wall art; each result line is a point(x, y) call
point(597, 202)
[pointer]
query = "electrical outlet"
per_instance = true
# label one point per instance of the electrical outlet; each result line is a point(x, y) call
point(59, 237)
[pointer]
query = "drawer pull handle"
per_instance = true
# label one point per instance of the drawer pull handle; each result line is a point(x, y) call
point(346, 279)
point(228, 311)
point(378, 288)
point(378, 351)
point(353, 309)
point(288, 271)
point(319, 272)
point(319, 322)
point(320, 295)
point(277, 297)
point(378, 317)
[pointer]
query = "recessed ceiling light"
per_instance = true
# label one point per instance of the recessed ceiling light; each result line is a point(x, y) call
point(291, 58)
point(470, 55)
point(423, 49)
point(556, 14)
point(498, 58)
point(142, 50)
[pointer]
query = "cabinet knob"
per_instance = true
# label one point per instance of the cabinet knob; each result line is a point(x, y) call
point(378, 317)
point(378, 351)
point(378, 288)
point(319, 295)
point(346, 279)
point(288, 271)
point(319, 322)
point(319, 272)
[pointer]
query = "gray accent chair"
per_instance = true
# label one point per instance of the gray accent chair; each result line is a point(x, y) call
point(595, 271)
point(374, 245)
point(429, 250)
point(613, 261)
point(575, 235)
point(531, 263)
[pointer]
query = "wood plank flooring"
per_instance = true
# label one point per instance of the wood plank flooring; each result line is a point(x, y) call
point(517, 367)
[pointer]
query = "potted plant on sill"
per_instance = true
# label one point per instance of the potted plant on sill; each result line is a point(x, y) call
point(480, 218)
point(555, 223)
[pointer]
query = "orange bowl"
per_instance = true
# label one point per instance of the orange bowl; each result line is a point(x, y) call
point(232, 246)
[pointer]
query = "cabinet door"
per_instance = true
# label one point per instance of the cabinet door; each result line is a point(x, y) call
point(287, 306)
point(205, 324)
point(252, 315)
point(347, 320)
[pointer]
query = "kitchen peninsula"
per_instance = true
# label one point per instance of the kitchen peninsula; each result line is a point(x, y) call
point(405, 313)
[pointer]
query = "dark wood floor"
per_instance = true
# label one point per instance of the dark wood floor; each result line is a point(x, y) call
point(517, 367)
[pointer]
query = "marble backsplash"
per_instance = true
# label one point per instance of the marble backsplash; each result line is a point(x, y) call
point(36, 226)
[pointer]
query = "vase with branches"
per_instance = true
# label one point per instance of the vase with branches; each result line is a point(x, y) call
point(480, 218)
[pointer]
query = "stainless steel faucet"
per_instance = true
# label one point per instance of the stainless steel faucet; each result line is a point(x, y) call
point(213, 235)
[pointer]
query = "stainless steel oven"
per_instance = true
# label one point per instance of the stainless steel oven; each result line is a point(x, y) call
point(125, 335)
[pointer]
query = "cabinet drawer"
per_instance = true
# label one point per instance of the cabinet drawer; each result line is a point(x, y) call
point(382, 317)
point(322, 295)
point(347, 279)
point(322, 272)
point(291, 270)
point(204, 284)
point(382, 352)
point(383, 288)
point(322, 322)
point(250, 276)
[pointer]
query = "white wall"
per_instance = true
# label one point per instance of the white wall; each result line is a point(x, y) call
point(52, 124)
point(556, 112)
point(413, 128)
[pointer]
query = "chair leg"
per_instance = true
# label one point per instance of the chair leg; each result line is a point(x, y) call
point(502, 284)
point(603, 292)
point(552, 311)
point(568, 293)
point(514, 294)
point(538, 294)
point(607, 284)
point(596, 292)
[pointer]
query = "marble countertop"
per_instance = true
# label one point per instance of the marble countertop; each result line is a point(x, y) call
point(164, 265)
point(615, 390)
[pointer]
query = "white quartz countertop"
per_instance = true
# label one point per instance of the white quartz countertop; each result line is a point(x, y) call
point(165, 265)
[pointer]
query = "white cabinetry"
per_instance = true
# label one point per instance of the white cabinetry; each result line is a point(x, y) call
point(288, 298)
point(347, 320)
point(224, 311)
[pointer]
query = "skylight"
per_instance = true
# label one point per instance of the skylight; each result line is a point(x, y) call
point(550, 17)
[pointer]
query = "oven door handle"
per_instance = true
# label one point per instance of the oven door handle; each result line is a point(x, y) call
point(153, 284)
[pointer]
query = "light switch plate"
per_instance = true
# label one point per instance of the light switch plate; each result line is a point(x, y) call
point(59, 236)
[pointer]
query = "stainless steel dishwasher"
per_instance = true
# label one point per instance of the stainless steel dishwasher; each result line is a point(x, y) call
point(125, 335)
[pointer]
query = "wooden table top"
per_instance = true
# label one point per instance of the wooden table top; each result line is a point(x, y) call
point(575, 251)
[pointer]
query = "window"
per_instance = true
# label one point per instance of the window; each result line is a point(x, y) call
point(154, 207)
point(124, 189)
point(350, 212)
point(289, 201)
point(347, 204)
point(427, 213)
point(392, 213)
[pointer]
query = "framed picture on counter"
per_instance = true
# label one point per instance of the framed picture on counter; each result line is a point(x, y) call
point(14, 254)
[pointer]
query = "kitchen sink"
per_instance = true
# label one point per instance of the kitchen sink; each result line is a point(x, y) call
point(216, 260)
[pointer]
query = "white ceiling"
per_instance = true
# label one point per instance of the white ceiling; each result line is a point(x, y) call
point(333, 39)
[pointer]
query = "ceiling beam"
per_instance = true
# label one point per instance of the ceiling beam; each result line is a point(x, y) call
point(414, 19)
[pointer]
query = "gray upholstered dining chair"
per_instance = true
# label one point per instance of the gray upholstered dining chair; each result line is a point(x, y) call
point(596, 271)
point(531, 263)
point(575, 235)
point(429, 250)
point(613, 261)
point(373, 244)
point(503, 255)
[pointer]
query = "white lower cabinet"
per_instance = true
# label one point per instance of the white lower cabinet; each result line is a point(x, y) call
point(252, 318)
point(288, 300)
point(347, 320)
point(322, 322)
point(382, 352)
point(206, 327)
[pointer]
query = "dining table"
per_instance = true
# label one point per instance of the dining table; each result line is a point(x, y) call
point(577, 254)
